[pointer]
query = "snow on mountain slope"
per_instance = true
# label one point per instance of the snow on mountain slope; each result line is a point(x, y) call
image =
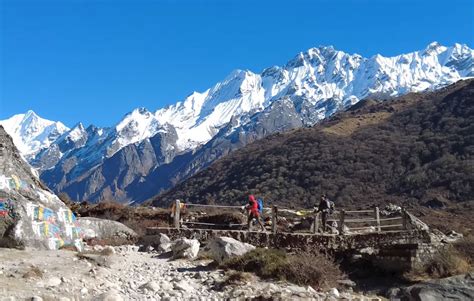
point(32, 133)
point(200, 116)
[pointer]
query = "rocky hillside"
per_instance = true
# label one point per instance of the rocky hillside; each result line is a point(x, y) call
point(416, 147)
point(30, 215)
point(147, 152)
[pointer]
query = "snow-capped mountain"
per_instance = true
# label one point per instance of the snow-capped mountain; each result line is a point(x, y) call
point(327, 80)
point(146, 152)
point(32, 133)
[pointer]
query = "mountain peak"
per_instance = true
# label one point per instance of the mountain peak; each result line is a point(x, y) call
point(31, 133)
point(30, 114)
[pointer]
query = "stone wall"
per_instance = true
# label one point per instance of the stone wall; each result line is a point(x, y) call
point(302, 241)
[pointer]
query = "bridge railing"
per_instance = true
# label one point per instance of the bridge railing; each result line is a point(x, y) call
point(341, 222)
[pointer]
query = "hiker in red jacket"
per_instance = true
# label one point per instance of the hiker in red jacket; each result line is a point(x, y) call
point(253, 212)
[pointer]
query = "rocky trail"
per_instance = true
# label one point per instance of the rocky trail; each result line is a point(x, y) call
point(126, 274)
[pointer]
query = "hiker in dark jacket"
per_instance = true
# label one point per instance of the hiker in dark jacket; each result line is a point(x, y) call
point(325, 207)
point(253, 213)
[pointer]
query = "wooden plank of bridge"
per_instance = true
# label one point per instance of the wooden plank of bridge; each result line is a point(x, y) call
point(377, 218)
point(177, 208)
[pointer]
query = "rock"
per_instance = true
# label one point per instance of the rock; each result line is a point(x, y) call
point(104, 229)
point(161, 242)
point(183, 285)
point(453, 288)
point(53, 281)
point(166, 286)
point(36, 298)
point(151, 286)
point(185, 248)
point(334, 292)
point(222, 248)
point(164, 248)
point(108, 250)
point(452, 236)
point(31, 215)
point(391, 209)
point(347, 283)
point(111, 295)
point(311, 290)
point(84, 291)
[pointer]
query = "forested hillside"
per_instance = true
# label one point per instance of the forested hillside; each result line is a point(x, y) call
point(417, 147)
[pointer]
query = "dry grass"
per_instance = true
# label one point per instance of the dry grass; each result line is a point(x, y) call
point(237, 278)
point(137, 218)
point(302, 269)
point(349, 125)
point(33, 272)
point(465, 247)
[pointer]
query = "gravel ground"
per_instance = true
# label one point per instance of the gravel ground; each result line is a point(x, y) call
point(126, 274)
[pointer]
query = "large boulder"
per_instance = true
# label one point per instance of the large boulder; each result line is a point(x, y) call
point(160, 242)
point(222, 248)
point(185, 248)
point(452, 288)
point(103, 229)
point(30, 214)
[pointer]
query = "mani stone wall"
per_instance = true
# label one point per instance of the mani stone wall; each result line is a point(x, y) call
point(30, 215)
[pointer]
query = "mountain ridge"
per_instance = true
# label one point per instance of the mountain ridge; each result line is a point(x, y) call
point(317, 82)
point(410, 150)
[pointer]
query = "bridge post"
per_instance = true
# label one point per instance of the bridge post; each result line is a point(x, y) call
point(404, 219)
point(316, 222)
point(341, 222)
point(274, 219)
point(177, 208)
point(377, 218)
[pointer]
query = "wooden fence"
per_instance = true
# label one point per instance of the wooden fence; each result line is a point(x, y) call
point(347, 221)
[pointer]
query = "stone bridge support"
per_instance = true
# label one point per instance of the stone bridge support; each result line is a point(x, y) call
point(398, 250)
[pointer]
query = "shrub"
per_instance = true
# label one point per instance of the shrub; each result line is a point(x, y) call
point(312, 269)
point(465, 247)
point(33, 272)
point(266, 263)
point(302, 269)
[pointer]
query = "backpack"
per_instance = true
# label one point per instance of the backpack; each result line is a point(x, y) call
point(260, 205)
point(331, 206)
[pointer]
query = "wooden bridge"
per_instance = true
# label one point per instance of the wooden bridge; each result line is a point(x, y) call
point(344, 222)
point(398, 238)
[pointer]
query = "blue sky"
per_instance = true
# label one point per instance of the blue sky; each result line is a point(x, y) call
point(94, 61)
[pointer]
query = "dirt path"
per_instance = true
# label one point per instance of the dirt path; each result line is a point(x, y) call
point(127, 275)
